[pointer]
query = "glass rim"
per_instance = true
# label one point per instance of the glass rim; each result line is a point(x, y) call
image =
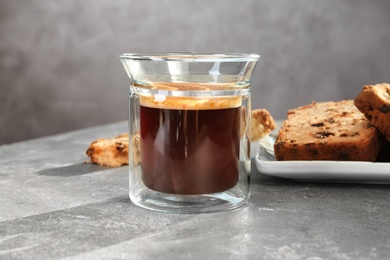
point(191, 56)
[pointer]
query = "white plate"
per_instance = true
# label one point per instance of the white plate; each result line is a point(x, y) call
point(333, 171)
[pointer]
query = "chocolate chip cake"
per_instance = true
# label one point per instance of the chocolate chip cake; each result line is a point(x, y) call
point(374, 102)
point(327, 131)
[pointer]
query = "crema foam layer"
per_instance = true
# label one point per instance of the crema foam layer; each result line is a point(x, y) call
point(162, 100)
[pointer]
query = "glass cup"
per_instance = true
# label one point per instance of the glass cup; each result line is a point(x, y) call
point(189, 130)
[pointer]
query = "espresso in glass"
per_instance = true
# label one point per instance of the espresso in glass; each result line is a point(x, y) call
point(189, 130)
point(190, 146)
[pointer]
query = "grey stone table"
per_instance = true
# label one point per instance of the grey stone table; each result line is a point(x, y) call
point(55, 206)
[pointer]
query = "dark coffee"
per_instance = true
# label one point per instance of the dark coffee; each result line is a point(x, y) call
point(190, 151)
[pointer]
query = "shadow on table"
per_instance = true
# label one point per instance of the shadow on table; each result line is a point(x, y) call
point(265, 180)
point(73, 170)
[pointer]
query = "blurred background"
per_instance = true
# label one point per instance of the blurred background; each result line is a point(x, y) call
point(59, 66)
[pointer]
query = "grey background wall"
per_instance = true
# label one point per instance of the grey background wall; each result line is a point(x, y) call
point(59, 67)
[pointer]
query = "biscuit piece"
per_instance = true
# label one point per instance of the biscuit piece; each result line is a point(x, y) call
point(327, 131)
point(374, 102)
point(115, 152)
point(262, 124)
point(110, 152)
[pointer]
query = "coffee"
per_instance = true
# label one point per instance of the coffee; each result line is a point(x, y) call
point(189, 128)
point(190, 151)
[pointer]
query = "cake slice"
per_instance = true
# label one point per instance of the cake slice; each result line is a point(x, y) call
point(327, 131)
point(374, 102)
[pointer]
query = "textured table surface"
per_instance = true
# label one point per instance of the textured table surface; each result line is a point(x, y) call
point(55, 206)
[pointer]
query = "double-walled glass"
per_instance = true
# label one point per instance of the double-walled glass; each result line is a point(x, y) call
point(189, 129)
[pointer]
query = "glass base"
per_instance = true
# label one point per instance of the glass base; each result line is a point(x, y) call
point(202, 203)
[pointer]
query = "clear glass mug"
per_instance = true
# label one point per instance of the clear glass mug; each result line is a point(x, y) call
point(189, 130)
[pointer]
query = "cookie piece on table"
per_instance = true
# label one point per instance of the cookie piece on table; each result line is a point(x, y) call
point(328, 131)
point(115, 152)
point(374, 102)
point(110, 152)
